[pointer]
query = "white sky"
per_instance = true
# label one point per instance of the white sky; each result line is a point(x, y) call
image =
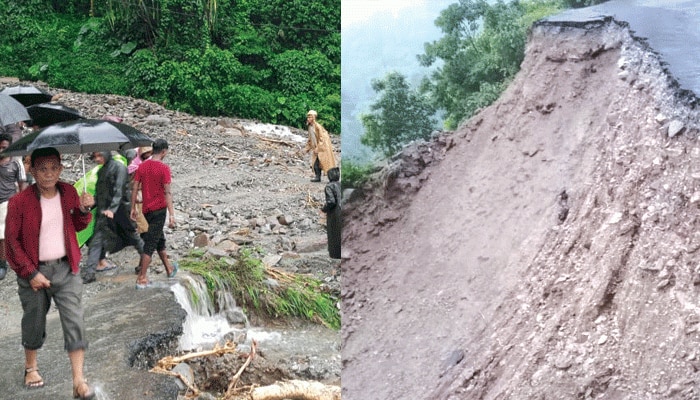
point(357, 11)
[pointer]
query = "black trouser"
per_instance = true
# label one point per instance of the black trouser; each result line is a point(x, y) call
point(317, 168)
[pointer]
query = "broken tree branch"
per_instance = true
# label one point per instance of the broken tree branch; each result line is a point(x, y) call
point(234, 380)
point(278, 141)
point(294, 389)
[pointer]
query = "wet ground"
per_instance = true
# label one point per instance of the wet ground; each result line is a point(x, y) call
point(130, 330)
point(126, 328)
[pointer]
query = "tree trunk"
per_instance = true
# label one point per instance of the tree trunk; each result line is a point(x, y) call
point(295, 390)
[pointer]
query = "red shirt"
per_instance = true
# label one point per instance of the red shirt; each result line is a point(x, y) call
point(23, 223)
point(153, 175)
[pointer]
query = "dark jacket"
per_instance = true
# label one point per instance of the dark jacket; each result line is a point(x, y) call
point(112, 188)
point(113, 193)
point(333, 217)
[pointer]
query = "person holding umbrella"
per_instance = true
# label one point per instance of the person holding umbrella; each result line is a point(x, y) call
point(12, 179)
point(42, 248)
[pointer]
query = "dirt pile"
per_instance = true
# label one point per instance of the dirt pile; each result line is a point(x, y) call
point(549, 248)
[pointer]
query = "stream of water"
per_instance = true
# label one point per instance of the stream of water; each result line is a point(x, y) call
point(303, 349)
point(208, 321)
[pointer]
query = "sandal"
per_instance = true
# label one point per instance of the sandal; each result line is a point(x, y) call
point(86, 395)
point(176, 267)
point(33, 384)
point(141, 285)
point(110, 266)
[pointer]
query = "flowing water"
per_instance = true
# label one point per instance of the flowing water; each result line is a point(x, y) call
point(303, 350)
point(206, 323)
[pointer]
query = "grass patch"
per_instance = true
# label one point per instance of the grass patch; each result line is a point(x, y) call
point(266, 290)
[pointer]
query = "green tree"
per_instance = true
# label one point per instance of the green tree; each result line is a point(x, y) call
point(482, 48)
point(581, 3)
point(271, 60)
point(400, 115)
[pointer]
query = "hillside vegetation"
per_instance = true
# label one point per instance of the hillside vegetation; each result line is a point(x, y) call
point(257, 59)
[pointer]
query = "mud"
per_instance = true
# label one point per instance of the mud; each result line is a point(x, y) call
point(546, 249)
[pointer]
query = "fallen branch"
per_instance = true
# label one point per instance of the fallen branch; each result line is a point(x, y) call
point(234, 380)
point(311, 202)
point(278, 141)
point(169, 362)
point(294, 390)
point(227, 149)
point(165, 364)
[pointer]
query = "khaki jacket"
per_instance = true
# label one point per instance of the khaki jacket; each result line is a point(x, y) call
point(321, 142)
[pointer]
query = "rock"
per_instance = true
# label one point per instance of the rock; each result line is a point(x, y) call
point(186, 371)
point(675, 127)
point(236, 336)
point(228, 246)
point(157, 120)
point(285, 219)
point(273, 283)
point(236, 317)
point(271, 260)
point(201, 240)
point(217, 253)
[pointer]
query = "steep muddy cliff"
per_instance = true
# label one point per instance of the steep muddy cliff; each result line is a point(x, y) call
point(546, 249)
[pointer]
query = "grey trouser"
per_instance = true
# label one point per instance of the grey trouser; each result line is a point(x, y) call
point(66, 291)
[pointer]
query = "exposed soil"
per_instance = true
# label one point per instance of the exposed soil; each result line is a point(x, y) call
point(235, 183)
point(546, 249)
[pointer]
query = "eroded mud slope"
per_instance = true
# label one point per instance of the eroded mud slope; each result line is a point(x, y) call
point(547, 248)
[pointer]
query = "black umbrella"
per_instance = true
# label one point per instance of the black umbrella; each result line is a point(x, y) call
point(46, 114)
point(81, 136)
point(11, 111)
point(27, 94)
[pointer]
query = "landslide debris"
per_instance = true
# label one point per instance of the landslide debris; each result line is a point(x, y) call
point(546, 249)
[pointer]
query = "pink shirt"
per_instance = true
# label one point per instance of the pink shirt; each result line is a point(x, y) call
point(51, 229)
point(134, 165)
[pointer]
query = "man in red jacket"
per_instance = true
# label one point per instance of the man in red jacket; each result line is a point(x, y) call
point(42, 248)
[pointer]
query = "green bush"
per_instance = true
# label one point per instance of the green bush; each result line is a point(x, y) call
point(246, 277)
point(298, 71)
point(581, 3)
point(355, 174)
point(208, 58)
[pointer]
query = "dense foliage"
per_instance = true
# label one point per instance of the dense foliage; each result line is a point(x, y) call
point(355, 174)
point(481, 50)
point(581, 3)
point(270, 60)
point(399, 115)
